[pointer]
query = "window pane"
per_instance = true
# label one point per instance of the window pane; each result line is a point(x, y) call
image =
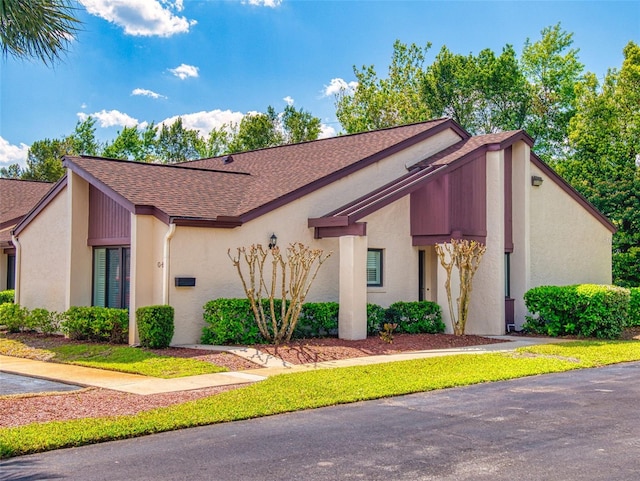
point(126, 261)
point(374, 267)
point(113, 278)
point(11, 271)
point(99, 276)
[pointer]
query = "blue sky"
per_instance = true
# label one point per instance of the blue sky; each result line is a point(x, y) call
point(212, 61)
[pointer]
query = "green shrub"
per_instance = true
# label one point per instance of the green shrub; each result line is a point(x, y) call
point(634, 307)
point(102, 324)
point(415, 317)
point(14, 317)
point(587, 310)
point(44, 321)
point(230, 321)
point(155, 326)
point(317, 319)
point(7, 296)
point(375, 318)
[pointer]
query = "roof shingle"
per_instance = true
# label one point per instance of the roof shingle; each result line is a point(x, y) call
point(211, 189)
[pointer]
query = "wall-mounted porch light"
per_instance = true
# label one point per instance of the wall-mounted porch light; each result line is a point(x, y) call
point(273, 240)
point(536, 180)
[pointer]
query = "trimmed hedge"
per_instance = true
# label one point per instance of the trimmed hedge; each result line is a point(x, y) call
point(44, 321)
point(317, 319)
point(231, 321)
point(587, 310)
point(101, 324)
point(7, 296)
point(20, 319)
point(375, 318)
point(415, 317)
point(155, 326)
point(13, 317)
point(634, 307)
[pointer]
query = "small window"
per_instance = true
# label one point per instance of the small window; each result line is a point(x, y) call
point(507, 275)
point(111, 277)
point(11, 271)
point(374, 267)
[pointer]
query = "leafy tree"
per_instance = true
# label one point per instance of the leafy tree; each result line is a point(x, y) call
point(177, 144)
point(449, 87)
point(483, 94)
point(604, 138)
point(217, 142)
point(378, 103)
point(133, 144)
point(12, 171)
point(552, 69)
point(83, 138)
point(503, 90)
point(299, 125)
point(40, 29)
point(257, 131)
point(44, 159)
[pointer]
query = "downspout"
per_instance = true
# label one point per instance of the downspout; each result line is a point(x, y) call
point(16, 243)
point(165, 263)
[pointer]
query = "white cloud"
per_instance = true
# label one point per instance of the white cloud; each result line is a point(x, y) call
point(148, 93)
point(204, 122)
point(112, 118)
point(326, 131)
point(142, 17)
point(12, 154)
point(184, 71)
point(338, 85)
point(264, 3)
point(288, 100)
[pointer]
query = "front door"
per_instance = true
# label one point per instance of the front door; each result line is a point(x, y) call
point(427, 271)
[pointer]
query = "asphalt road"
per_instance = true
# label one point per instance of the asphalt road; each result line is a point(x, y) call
point(17, 384)
point(575, 426)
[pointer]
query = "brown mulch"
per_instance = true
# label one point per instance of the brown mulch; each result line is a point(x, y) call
point(306, 351)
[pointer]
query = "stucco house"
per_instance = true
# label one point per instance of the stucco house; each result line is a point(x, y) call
point(121, 233)
point(17, 198)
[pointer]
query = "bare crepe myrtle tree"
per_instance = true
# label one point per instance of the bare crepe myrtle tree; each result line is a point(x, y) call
point(289, 280)
point(465, 256)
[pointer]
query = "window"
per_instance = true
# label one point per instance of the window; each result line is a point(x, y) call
point(111, 277)
point(374, 267)
point(507, 275)
point(11, 271)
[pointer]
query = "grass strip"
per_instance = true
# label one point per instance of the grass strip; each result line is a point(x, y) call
point(113, 358)
point(590, 353)
point(132, 360)
point(313, 389)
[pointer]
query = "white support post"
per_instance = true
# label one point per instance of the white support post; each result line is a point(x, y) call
point(352, 323)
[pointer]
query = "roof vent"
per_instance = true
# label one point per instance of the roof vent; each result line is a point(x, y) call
point(227, 159)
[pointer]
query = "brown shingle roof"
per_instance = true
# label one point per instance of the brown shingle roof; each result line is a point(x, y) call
point(472, 144)
point(422, 172)
point(209, 189)
point(17, 198)
point(174, 191)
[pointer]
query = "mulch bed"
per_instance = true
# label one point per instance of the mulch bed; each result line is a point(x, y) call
point(305, 351)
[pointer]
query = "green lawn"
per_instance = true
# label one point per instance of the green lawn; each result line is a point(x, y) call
point(293, 392)
point(114, 358)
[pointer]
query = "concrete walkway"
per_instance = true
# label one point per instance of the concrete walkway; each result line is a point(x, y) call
point(144, 385)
